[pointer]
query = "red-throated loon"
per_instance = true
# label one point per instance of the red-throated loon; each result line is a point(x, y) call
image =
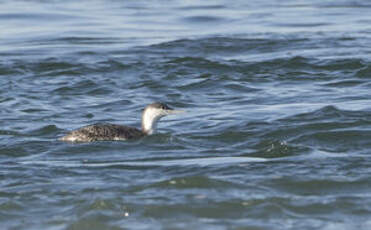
point(111, 132)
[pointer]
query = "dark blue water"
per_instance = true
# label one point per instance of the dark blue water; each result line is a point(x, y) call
point(277, 133)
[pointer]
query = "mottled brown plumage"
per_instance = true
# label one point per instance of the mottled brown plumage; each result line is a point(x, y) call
point(103, 132)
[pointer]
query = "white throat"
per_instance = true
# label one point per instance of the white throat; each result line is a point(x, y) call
point(150, 117)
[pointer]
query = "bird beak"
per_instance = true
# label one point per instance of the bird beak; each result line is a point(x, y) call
point(173, 111)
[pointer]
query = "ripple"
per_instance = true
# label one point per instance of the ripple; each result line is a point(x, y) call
point(38, 16)
point(9, 132)
point(45, 130)
point(345, 83)
point(203, 19)
point(16, 151)
point(76, 88)
point(198, 182)
point(278, 149)
point(92, 222)
point(364, 72)
point(328, 128)
point(337, 141)
point(10, 206)
point(202, 7)
point(202, 162)
point(302, 25)
point(330, 187)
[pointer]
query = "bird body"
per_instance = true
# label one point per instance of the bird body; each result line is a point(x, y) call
point(103, 132)
point(112, 132)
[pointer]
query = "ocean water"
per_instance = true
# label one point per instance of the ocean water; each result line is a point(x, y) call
point(277, 133)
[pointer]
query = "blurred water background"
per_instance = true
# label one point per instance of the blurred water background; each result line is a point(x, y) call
point(277, 133)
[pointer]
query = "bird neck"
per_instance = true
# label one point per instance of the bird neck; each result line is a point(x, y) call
point(149, 122)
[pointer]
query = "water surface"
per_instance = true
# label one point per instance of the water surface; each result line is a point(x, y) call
point(277, 130)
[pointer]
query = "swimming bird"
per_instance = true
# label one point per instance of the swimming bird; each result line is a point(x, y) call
point(111, 132)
